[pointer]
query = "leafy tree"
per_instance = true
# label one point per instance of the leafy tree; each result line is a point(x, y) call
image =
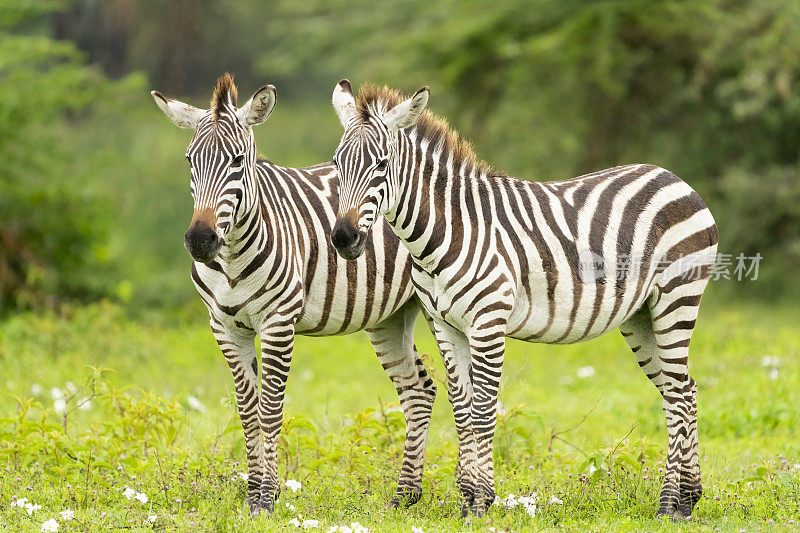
point(51, 228)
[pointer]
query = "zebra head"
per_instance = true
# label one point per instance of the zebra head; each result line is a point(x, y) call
point(222, 157)
point(368, 162)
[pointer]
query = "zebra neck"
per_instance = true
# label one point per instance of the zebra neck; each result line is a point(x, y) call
point(427, 196)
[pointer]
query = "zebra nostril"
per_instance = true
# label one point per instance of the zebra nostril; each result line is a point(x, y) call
point(344, 234)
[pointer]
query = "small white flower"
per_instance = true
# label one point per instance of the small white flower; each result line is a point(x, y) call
point(60, 405)
point(307, 524)
point(196, 404)
point(773, 374)
point(501, 410)
point(289, 506)
point(556, 501)
point(142, 497)
point(70, 386)
point(55, 393)
point(85, 404)
point(152, 518)
point(67, 514)
point(509, 501)
point(36, 389)
point(32, 508)
point(771, 360)
point(243, 476)
point(293, 485)
point(19, 502)
point(591, 469)
point(586, 371)
point(357, 528)
point(416, 530)
point(50, 526)
point(345, 529)
point(295, 522)
point(129, 492)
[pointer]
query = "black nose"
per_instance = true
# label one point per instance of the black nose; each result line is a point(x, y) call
point(344, 234)
point(202, 242)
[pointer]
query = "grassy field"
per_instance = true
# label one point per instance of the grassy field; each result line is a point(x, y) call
point(161, 422)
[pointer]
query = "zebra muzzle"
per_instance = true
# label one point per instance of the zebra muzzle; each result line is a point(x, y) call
point(202, 242)
point(347, 239)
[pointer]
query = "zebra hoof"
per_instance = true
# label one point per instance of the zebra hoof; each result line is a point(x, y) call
point(405, 497)
point(673, 513)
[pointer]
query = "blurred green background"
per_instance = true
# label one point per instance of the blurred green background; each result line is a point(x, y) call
point(94, 188)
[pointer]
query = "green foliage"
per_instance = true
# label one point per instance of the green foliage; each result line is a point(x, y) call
point(52, 228)
point(596, 444)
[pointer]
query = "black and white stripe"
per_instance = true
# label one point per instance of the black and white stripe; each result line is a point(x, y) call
point(264, 267)
point(555, 262)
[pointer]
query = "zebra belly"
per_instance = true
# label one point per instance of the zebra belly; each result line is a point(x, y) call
point(567, 318)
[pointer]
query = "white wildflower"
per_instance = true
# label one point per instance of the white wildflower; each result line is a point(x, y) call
point(773, 374)
point(243, 476)
point(60, 405)
point(85, 404)
point(289, 506)
point(308, 524)
point(357, 528)
point(152, 518)
point(591, 469)
point(416, 530)
point(70, 386)
point(528, 503)
point(142, 497)
point(586, 371)
point(129, 492)
point(67, 514)
point(36, 389)
point(293, 485)
point(555, 501)
point(509, 501)
point(32, 508)
point(501, 410)
point(50, 525)
point(771, 361)
point(19, 502)
point(55, 393)
point(196, 404)
point(295, 522)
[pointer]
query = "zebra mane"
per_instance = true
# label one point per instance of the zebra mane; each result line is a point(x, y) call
point(374, 101)
point(224, 94)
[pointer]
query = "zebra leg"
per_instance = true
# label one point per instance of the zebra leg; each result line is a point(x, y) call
point(277, 342)
point(240, 353)
point(393, 340)
point(487, 348)
point(455, 351)
point(659, 335)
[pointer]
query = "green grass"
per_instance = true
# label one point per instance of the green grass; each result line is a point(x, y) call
point(343, 435)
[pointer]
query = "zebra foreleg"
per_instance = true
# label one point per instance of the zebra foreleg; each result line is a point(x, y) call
point(393, 340)
point(487, 348)
point(455, 351)
point(277, 342)
point(240, 354)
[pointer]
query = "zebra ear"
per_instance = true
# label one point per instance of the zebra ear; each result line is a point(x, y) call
point(344, 103)
point(182, 115)
point(259, 107)
point(406, 113)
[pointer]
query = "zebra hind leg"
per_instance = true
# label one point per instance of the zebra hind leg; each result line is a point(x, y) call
point(659, 336)
point(393, 340)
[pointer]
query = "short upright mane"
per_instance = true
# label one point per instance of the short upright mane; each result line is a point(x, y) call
point(224, 92)
point(374, 101)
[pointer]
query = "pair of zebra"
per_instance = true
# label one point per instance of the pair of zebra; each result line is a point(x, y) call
point(485, 256)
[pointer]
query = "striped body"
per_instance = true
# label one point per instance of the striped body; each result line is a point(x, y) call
point(265, 268)
point(556, 262)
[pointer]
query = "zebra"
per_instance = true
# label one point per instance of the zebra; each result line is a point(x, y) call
point(495, 257)
point(263, 265)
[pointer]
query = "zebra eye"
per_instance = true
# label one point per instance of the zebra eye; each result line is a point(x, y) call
point(383, 164)
point(237, 161)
